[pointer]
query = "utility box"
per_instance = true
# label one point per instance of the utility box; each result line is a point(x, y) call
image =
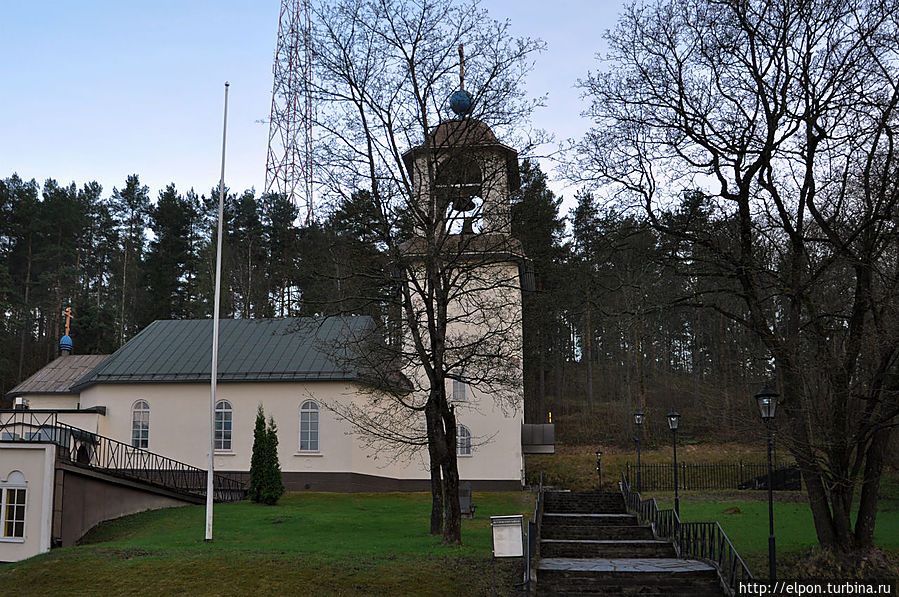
point(538, 439)
point(508, 537)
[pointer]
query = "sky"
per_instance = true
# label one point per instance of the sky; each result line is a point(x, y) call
point(98, 90)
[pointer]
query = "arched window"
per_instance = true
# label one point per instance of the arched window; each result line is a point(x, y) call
point(463, 441)
point(309, 427)
point(12, 507)
point(140, 425)
point(458, 180)
point(224, 415)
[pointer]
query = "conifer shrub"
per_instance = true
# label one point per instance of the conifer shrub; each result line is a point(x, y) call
point(265, 470)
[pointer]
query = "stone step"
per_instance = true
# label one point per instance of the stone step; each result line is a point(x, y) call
point(583, 508)
point(583, 502)
point(670, 577)
point(570, 531)
point(635, 589)
point(588, 519)
point(616, 548)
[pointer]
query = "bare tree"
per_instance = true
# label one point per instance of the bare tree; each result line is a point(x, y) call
point(439, 189)
point(784, 113)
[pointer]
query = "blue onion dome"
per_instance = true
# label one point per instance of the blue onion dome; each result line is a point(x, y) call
point(460, 102)
point(65, 343)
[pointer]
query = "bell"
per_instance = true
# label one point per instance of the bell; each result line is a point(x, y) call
point(463, 202)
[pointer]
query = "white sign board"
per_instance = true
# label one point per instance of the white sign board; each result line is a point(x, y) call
point(507, 536)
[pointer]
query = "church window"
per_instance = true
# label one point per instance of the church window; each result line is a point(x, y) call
point(463, 441)
point(12, 507)
point(224, 416)
point(140, 425)
point(309, 427)
point(459, 391)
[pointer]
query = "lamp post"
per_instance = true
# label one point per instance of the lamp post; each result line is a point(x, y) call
point(638, 423)
point(673, 422)
point(599, 466)
point(767, 401)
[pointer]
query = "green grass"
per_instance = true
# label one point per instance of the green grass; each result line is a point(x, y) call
point(574, 467)
point(309, 544)
point(793, 526)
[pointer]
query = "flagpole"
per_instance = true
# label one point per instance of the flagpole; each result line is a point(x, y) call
point(215, 335)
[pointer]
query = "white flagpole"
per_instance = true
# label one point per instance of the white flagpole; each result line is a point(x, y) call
point(215, 334)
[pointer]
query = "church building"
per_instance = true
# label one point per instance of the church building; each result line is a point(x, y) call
point(153, 394)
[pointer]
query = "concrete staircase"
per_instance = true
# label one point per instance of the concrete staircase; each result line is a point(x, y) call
point(589, 545)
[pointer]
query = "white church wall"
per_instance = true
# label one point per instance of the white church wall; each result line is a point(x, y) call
point(33, 463)
point(179, 423)
point(52, 401)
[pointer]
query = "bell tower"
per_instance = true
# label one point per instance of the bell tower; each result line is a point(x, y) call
point(473, 175)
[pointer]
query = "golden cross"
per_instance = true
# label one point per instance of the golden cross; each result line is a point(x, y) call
point(69, 316)
point(461, 68)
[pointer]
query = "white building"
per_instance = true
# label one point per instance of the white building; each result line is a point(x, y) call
point(153, 394)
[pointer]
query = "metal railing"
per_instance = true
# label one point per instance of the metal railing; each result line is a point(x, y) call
point(702, 540)
point(660, 477)
point(96, 452)
point(533, 532)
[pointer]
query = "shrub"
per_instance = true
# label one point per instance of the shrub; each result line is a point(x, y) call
point(265, 470)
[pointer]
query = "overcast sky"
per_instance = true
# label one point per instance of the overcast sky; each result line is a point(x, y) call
point(98, 90)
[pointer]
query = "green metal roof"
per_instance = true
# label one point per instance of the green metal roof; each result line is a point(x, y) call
point(284, 349)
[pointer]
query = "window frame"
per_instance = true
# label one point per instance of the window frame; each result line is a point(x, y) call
point(142, 440)
point(463, 441)
point(223, 443)
point(13, 484)
point(460, 391)
point(310, 408)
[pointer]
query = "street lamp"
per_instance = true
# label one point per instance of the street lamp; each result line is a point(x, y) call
point(767, 401)
point(638, 423)
point(673, 421)
point(599, 466)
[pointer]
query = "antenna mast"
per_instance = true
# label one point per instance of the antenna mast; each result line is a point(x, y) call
point(288, 167)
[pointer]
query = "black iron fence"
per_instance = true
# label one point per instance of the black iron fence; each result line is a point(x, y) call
point(702, 540)
point(735, 475)
point(531, 551)
point(91, 450)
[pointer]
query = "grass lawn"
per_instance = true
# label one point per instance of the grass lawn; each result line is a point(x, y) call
point(793, 527)
point(574, 467)
point(309, 544)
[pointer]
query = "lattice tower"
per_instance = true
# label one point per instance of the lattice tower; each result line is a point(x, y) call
point(288, 167)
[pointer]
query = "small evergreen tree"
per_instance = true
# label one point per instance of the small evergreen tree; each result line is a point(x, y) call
point(257, 462)
point(272, 487)
point(265, 470)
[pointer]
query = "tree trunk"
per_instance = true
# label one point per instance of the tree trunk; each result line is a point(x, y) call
point(452, 523)
point(434, 450)
point(589, 356)
point(557, 357)
point(26, 324)
point(541, 377)
point(867, 507)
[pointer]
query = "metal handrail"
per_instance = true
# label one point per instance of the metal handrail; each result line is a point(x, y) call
point(97, 452)
point(722, 475)
point(533, 531)
point(702, 540)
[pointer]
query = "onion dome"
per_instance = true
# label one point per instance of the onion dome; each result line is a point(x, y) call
point(460, 102)
point(65, 343)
